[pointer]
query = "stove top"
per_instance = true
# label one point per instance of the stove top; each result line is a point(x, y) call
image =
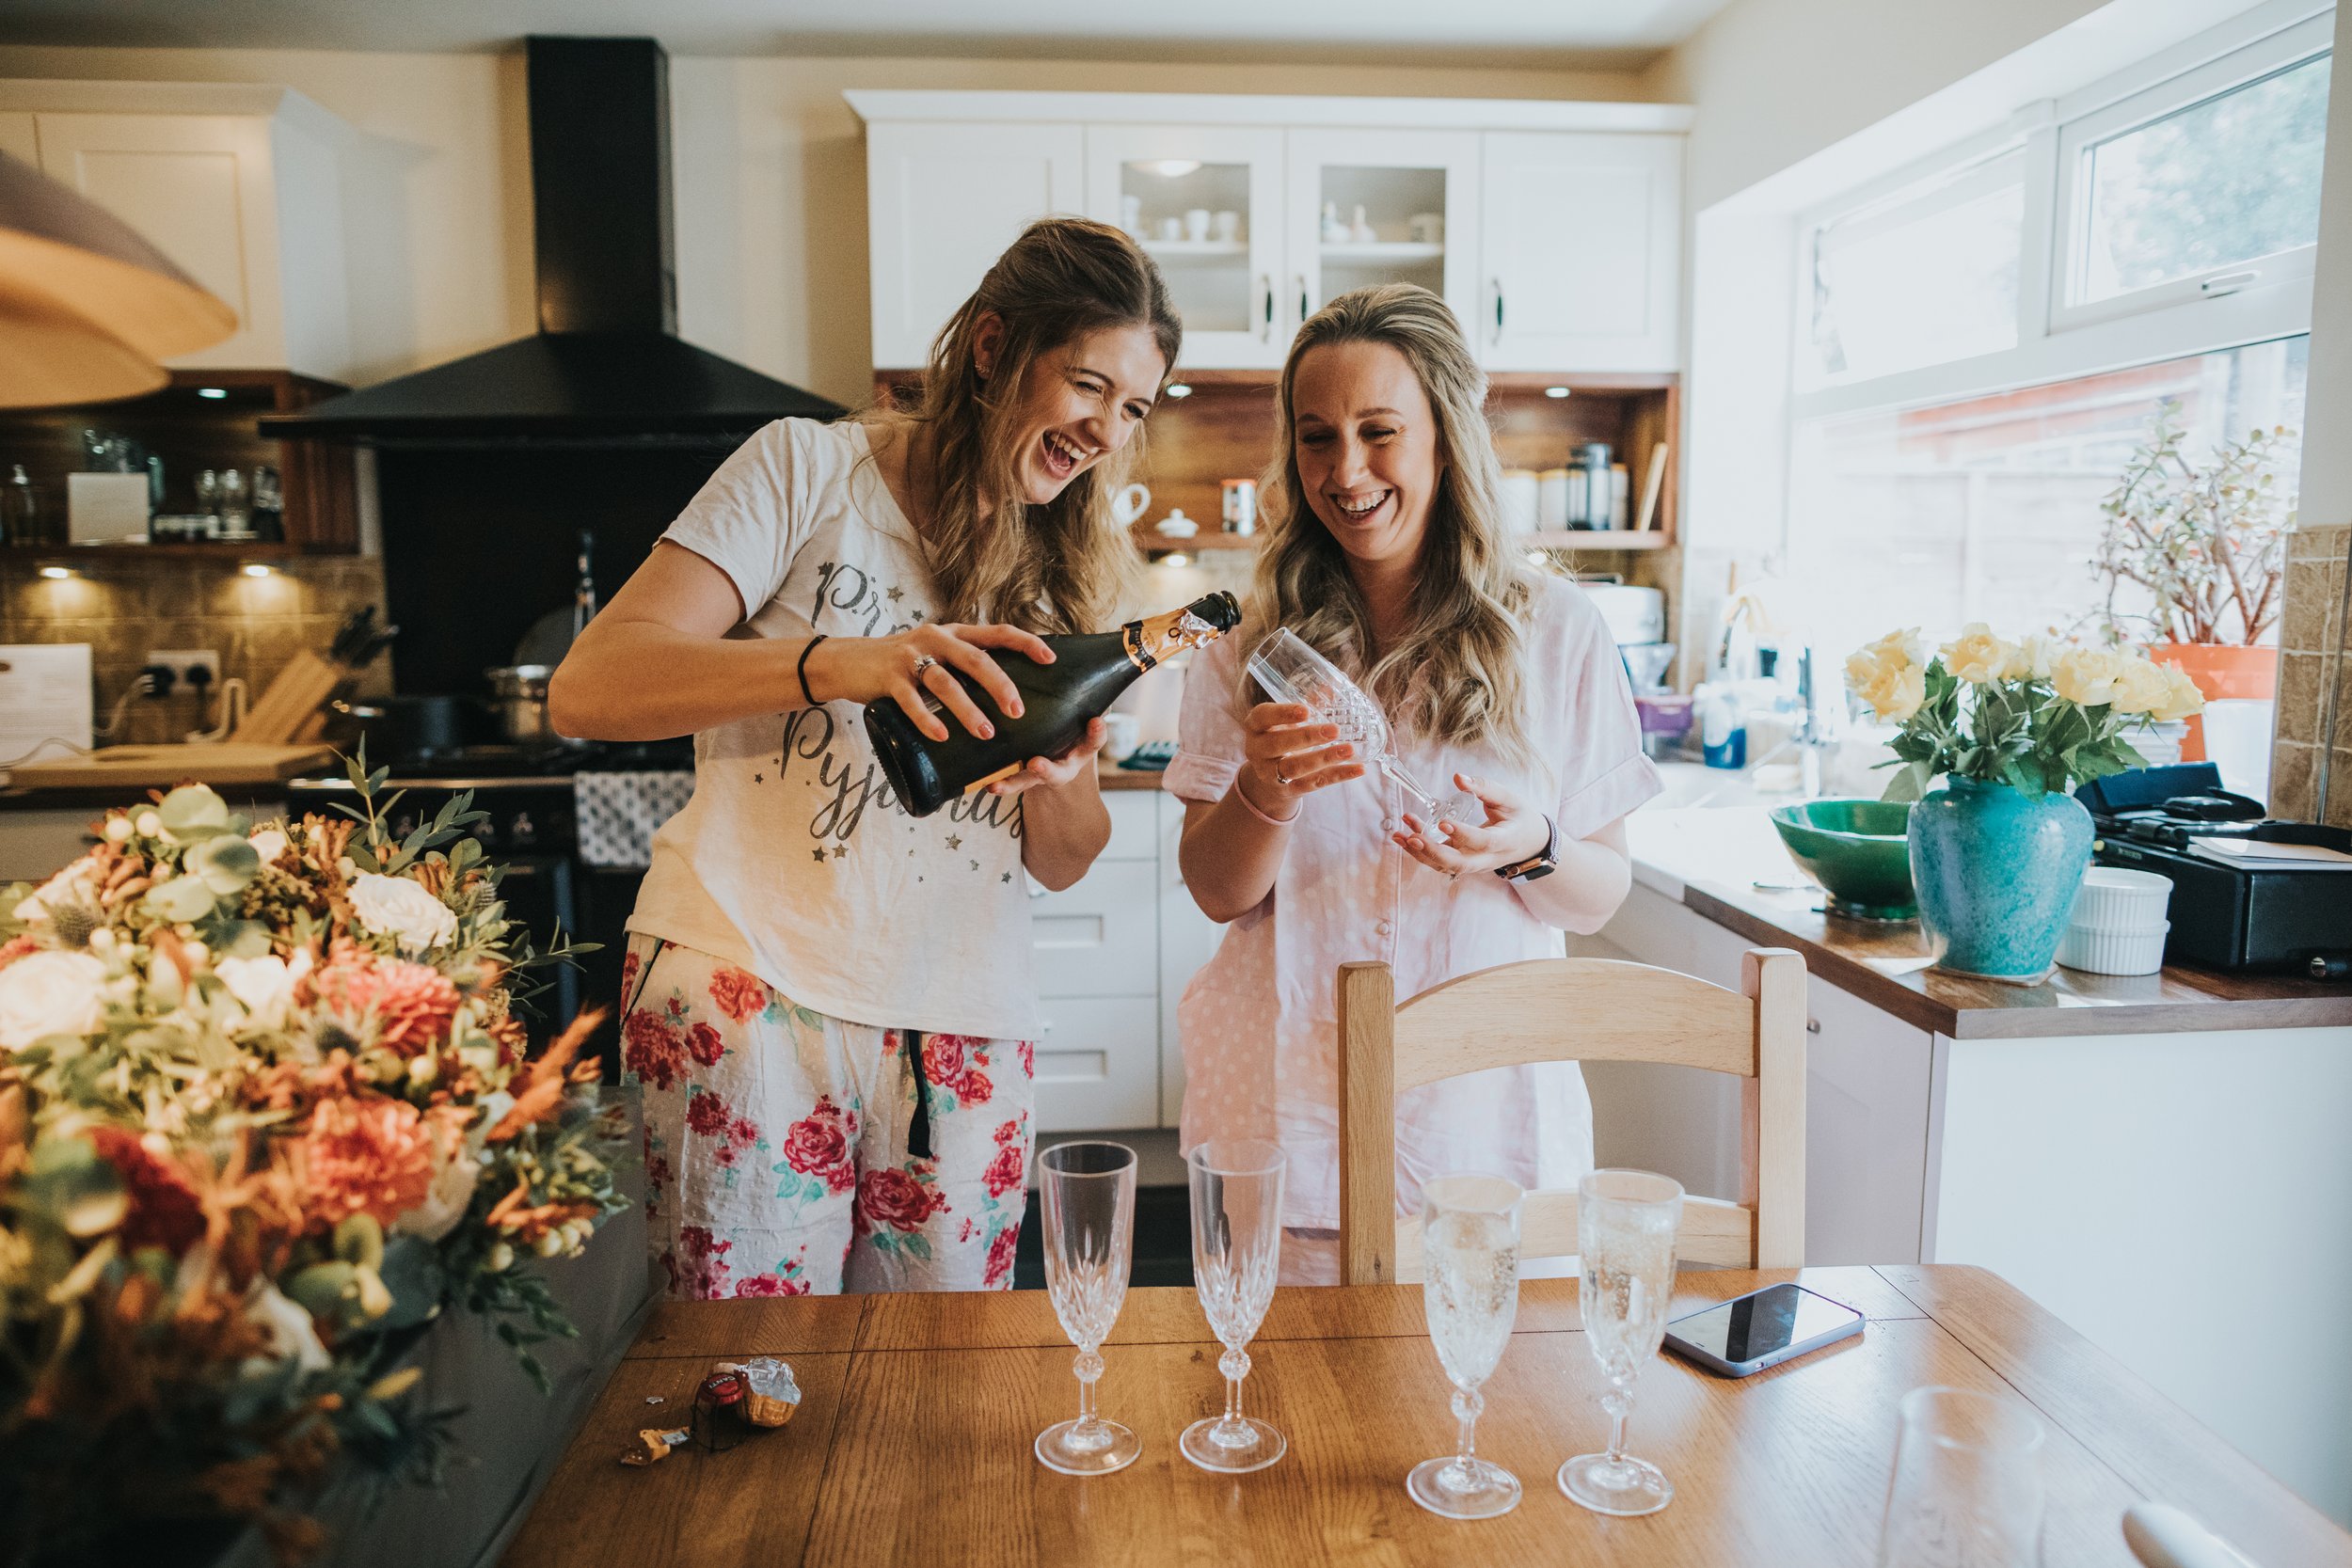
point(492, 766)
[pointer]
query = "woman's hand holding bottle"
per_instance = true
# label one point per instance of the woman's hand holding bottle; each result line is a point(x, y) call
point(1289, 755)
point(906, 665)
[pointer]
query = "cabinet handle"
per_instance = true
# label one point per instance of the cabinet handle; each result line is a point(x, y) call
point(1496, 284)
point(1812, 1025)
point(1265, 285)
point(1044, 1026)
point(1302, 299)
point(1037, 889)
point(2229, 282)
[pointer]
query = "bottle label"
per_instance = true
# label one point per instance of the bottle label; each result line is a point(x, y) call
point(980, 783)
point(1162, 637)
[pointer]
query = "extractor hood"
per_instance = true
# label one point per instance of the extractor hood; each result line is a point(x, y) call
point(607, 366)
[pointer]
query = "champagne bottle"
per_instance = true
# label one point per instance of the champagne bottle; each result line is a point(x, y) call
point(1088, 671)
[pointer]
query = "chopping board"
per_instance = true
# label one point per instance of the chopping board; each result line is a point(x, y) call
point(229, 762)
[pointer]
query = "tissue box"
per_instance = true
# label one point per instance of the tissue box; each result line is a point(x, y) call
point(103, 509)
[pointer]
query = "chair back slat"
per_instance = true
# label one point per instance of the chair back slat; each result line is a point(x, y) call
point(1577, 1009)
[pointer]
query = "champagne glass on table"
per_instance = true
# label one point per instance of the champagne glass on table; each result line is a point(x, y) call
point(1236, 1253)
point(1288, 670)
point(1470, 1287)
point(1624, 1230)
point(1967, 1489)
point(1088, 1197)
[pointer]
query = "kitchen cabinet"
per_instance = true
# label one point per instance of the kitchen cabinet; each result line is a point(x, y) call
point(239, 185)
point(17, 138)
point(1225, 285)
point(942, 203)
point(1580, 249)
point(1551, 229)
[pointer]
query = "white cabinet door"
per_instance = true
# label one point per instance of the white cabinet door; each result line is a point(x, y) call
point(1097, 1069)
point(200, 188)
point(1866, 1131)
point(17, 138)
point(944, 201)
point(1582, 245)
point(1100, 938)
point(1398, 179)
point(1207, 203)
point(1187, 939)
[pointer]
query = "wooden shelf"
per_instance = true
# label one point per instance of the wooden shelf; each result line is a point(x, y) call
point(1383, 253)
point(1196, 252)
point(1593, 539)
point(1148, 538)
point(169, 549)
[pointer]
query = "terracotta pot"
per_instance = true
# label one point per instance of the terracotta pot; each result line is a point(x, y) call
point(2224, 671)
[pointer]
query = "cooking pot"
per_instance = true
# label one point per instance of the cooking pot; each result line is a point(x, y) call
point(411, 726)
point(519, 698)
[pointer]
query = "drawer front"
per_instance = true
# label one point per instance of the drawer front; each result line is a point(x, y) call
point(1100, 938)
point(1098, 1063)
point(1134, 821)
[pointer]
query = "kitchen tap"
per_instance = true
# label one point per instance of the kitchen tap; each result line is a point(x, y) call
point(1816, 734)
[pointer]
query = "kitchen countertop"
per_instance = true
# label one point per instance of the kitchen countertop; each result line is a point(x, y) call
point(1729, 866)
point(1112, 776)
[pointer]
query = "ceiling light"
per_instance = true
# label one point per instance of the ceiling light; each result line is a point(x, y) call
point(1179, 389)
point(255, 569)
point(1175, 558)
point(1556, 392)
point(1173, 169)
point(211, 391)
point(56, 573)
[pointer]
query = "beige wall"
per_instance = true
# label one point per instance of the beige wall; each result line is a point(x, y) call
point(770, 168)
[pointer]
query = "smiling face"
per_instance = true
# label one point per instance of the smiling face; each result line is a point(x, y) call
point(1079, 403)
point(1364, 441)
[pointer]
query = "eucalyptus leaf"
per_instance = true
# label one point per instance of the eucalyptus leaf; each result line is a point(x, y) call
point(228, 862)
point(181, 898)
point(193, 811)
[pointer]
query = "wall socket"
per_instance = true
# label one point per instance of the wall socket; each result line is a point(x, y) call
point(180, 662)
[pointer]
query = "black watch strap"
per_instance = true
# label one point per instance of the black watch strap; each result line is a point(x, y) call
point(1541, 864)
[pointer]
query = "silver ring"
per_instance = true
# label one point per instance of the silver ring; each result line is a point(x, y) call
point(924, 663)
point(1286, 778)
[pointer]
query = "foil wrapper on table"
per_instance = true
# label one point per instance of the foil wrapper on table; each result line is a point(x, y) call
point(771, 1394)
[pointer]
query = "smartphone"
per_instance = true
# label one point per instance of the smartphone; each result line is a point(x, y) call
point(1760, 1329)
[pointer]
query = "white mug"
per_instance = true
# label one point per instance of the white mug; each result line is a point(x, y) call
point(1226, 226)
point(1171, 229)
point(1126, 734)
point(1128, 504)
point(1131, 214)
point(1196, 223)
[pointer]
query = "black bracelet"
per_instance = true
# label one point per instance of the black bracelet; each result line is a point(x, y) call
point(800, 669)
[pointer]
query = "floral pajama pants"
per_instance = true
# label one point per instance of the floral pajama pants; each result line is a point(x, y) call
point(789, 1152)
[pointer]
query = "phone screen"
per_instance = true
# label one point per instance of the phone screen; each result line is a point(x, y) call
point(1755, 1326)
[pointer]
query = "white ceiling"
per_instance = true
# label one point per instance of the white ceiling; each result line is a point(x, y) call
point(1533, 33)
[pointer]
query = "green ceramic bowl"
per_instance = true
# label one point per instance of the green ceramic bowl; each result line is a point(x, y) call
point(1857, 851)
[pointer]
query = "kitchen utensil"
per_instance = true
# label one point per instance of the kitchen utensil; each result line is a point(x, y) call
point(1176, 525)
point(552, 635)
point(1591, 461)
point(1647, 664)
point(20, 521)
point(1857, 851)
point(225, 761)
point(519, 697)
point(1470, 1294)
point(2117, 925)
point(1125, 734)
point(237, 516)
point(1171, 227)
point(1289, 670)
point(1634, 614)
point(1197, 221)
point(1086, 1196)
point(1237, 505)
point(295, 692)
point(2162, 1536)
point(1128, 504)
point(1624, 1230)
point(410, 725)
point(353, 631)
point(1236, 1186)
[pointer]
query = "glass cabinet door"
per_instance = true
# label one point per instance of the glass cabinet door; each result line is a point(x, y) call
point(1382, 207)
point(1206, 203)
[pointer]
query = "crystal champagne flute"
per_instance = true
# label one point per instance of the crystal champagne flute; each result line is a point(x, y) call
point(1291, 672)
point(1088, 1199)
point(1624, 1224)
point(1236, 1253)
point(1471, 1290)
point(1967, 1489)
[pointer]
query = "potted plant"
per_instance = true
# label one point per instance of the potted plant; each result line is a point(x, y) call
point(2208, 546)
point(1997, 852)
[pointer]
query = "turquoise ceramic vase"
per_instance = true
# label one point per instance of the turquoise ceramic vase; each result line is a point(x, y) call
point(1995, 873)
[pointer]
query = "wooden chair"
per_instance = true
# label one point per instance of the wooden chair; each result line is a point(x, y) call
point(1565, 1011)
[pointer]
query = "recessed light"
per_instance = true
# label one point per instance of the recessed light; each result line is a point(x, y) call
point(1176, 557)
point(1179, 389)
point(1556, 392)
point(211, 391)
point(1173, 169)
point(255, 569)
point(56, 573)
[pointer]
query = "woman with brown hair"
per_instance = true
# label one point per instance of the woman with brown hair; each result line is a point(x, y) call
point(1382, 547)
point(828, 1000)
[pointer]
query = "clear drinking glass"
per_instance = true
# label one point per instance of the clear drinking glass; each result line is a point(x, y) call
point(1625, 1232)
point(1291, 672)
point(1088, 1199)
point(1471, 1290)
point(1967, 1490)
point(1236, 1253)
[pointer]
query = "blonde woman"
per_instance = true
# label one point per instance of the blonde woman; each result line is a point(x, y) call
point(828, 1001)
point(1383, 548)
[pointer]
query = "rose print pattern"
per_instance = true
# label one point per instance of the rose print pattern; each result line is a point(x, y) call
point(776, 1159)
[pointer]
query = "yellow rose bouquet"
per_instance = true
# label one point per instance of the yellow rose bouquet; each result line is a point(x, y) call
point(2035, 714)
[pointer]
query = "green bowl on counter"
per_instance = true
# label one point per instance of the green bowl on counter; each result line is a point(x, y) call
point(1856, 849)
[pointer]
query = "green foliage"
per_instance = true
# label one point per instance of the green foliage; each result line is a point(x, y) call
point(2020, 733)
point(2207, 543)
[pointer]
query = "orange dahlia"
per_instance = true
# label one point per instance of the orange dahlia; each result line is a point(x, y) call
point(412, 1003)
point(365, 1155)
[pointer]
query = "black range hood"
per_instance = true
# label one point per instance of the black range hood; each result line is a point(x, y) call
point(607, 366)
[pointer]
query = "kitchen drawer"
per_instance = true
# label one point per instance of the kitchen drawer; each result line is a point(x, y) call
point(1134, 820)
point(1100, 938)
point(1098, 1063)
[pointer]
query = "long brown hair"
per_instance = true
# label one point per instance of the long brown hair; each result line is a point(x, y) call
point(1457, 674)
point(1063, 566)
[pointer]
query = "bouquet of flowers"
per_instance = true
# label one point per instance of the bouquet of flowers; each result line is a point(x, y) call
point(266, 1107)
point(2036, 715)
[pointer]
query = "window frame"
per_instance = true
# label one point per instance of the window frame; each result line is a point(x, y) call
point(2058, 340)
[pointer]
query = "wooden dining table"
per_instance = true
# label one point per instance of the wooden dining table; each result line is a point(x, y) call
point(911, 1442)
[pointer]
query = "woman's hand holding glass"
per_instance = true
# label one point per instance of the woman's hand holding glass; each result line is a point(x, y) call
point(1513, 830)
point(1288, 754)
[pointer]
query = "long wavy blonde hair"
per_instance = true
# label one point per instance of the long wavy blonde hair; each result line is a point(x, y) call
point(1456, 675)
point(1063, 566)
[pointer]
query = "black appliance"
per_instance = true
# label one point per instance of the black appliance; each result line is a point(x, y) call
point(607, 364)
point(2226, 914)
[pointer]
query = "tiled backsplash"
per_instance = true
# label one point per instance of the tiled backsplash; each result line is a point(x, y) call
point(124, 606)
point(2310, 633)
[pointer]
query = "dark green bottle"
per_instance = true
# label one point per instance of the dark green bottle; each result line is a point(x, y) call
point(1088, 671)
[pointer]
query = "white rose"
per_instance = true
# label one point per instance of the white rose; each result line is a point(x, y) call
point(76, 884)
point(50, 993)
point(269, 844)
point(292, 1336)
point(397, 906)
point(446, 1202)
point(264, 985)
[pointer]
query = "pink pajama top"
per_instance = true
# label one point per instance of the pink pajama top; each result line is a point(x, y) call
point(1260, 1020)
